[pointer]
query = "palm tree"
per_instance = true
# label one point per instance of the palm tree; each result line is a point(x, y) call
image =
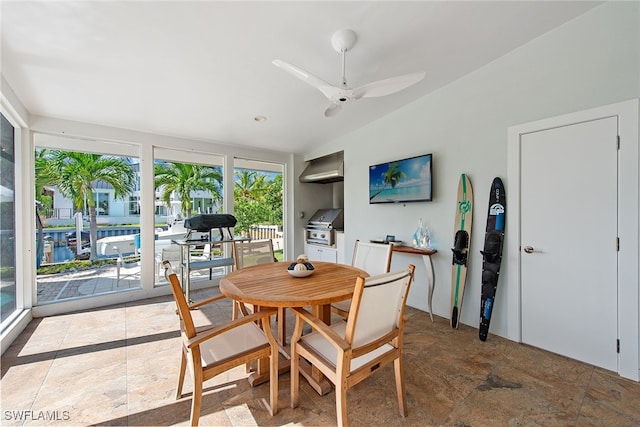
point(183, 178)
point(249, 184)
point(43, 174)
point(76, 175)
point(250, 204)
point(393, 176)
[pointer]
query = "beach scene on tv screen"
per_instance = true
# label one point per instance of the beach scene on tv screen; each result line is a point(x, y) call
point(407, 180)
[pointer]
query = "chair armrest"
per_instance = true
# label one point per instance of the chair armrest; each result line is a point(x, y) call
point(202, 336)
point(322, 328)
point(206, 301)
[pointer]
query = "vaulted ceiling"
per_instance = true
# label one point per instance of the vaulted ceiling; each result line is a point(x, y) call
point(203, 69)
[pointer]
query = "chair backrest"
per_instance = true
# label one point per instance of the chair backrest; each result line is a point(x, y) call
point(206, 250)
point(171, 253)
point(253, 252)
point(183, 307)
point(377, 306)
point(120, 262)
point(374, 258)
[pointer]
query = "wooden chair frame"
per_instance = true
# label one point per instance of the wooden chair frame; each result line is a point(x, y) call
point(376, 353)
point(193, 340)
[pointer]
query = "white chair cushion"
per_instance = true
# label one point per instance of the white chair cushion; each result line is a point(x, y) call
point(230, 344)
point(329, 352)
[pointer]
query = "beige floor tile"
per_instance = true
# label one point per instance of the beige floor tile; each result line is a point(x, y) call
point(118, 366)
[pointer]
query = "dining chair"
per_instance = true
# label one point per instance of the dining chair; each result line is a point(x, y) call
point(371, 338)
point(374, 258)
point(246, 254)
point(216, 349)
point(254, 252)
point(169, 253)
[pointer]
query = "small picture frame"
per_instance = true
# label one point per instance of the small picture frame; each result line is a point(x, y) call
point(390, 238)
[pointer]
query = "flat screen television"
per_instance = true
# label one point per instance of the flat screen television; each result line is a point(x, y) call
point(406, 180)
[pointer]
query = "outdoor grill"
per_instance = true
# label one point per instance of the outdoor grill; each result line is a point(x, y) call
point(207, 222)
point(322, 226)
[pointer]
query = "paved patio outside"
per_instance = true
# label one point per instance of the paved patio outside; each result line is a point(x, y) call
point(95, 281)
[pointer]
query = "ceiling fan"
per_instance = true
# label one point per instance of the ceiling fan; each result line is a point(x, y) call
point(343, 41)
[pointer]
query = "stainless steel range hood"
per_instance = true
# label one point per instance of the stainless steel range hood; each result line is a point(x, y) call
point(325, 169)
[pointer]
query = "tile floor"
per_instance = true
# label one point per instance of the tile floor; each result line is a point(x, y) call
point(118, 366)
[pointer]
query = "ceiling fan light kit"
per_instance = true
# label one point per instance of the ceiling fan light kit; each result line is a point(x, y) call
point(343, 41)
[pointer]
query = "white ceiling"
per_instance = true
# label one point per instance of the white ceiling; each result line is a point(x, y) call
point(202, 70)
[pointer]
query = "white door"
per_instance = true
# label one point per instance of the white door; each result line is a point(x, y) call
point(569, 184)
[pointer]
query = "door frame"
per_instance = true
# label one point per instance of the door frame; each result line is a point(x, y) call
point(628, 225)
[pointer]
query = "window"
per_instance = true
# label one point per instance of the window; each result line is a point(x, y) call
point(73, 266)
point(134, 205)
point(7, 221)
point(185, 186)
point(101, 201)
point(259, 201)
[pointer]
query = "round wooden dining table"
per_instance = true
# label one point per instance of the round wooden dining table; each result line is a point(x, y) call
point(271, 285)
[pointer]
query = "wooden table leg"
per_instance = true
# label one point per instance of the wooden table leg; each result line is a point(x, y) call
point(312, 374)
point(282, 326)
point(322, 386)
point(322, 312)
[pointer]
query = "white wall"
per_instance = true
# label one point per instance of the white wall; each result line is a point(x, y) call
point(591, 61)
point(14, 111)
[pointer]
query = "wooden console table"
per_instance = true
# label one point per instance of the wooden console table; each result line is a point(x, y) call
point(426, 258)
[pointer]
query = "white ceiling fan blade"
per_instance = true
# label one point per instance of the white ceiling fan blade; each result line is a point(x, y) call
point(333, 110)
point(388, 86)
point(324, 87)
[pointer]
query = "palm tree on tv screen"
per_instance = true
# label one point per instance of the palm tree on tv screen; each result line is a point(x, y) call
point(392, 177)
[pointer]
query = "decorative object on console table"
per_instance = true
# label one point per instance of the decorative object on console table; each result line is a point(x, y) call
point(422, 238)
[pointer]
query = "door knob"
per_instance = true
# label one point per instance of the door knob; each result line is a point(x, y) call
point(528, 249)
